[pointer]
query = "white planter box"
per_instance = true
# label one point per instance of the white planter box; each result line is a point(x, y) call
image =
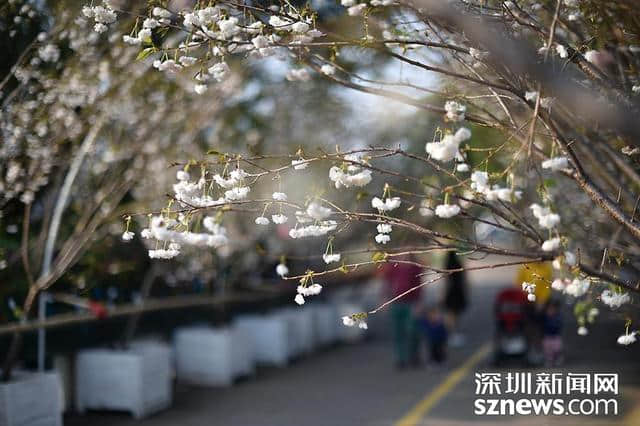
point(63, 365)
point(211, 356)
point(326, 323)
point(137, 380)
point(300, 328)
point(31, 399)
point(242, 352)
point(269, 338)
point(371, 293)
point(349, 334)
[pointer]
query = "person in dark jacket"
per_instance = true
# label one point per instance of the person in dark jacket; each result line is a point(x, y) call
point(455, 299)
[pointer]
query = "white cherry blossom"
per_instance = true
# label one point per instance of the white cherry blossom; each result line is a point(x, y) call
point(279, 196)
point(279, 219)
point(382, 238)
point(318, 212)
point(551, 244)
point(447, 148)
point(261, 220)
point(299, 164)
point(447, 211)
point(577, 287)
point(627, 338)
point(384, 228)
point(357, 10)
point(556, 163)
point(327, 69)
point(386, 205)
point(330, 258)
point(282, 270)
point(614, 299)
point(454, 111)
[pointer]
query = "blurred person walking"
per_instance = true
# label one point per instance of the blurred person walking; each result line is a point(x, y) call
point(455, 298)
point(400, 278)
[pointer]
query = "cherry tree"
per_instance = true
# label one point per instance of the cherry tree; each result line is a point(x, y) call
point(82, 123)
point(554, 82)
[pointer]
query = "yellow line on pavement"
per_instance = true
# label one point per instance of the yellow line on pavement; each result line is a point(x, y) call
point(421, 409)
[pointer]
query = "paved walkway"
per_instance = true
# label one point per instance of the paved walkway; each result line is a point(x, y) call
point(357, 385)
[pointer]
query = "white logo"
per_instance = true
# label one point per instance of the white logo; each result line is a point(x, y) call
point(545, 394)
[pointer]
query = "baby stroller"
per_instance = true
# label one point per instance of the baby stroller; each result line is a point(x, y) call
point(511, 316)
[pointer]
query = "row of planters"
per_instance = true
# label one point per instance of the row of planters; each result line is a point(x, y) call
point(140, 379)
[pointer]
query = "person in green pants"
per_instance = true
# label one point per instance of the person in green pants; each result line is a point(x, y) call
point(405, 334)
point(402, 279)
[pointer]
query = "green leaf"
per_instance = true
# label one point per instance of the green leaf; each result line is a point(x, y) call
point(145, 52)
point(378, 256)
point(361, 194)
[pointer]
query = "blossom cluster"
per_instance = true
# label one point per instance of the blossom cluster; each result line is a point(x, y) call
point(313, 222)
point(530, 289)
point(448, 147)
point(577, 287)
point(386, 205)
point(546, 218)
point(447, 211)
point(357, 9)
point(355, 320)
point(351, 175)
point(480, 183)
point(627, 338)
point(103, 15)
point(168, 231)
point(614, 299)
point(193, 193)
point(304, 290)
point(227, 29)
point(383, 237)
point(455, 111)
